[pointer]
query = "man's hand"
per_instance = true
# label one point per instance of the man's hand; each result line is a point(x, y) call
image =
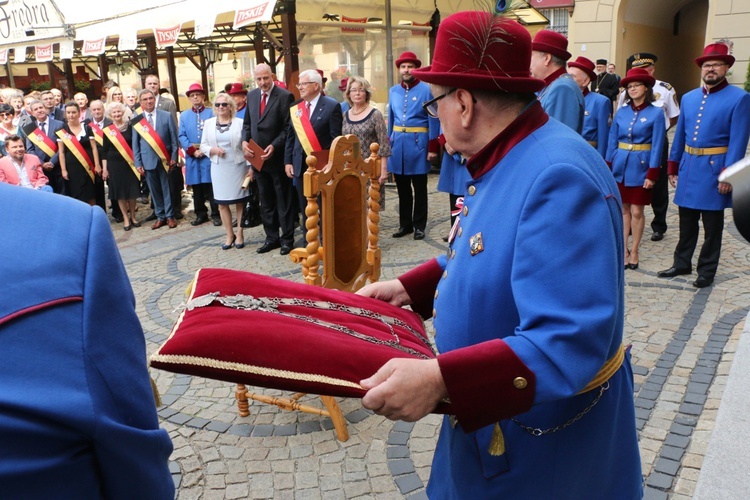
point(391, 291)
point(431, 156)
point(47, 165)
point(141, 170)
point(246, 149)
point(673, 181)
point(405, 389)
point(268, 152)
point(648, 184)
point(289, 169)
point(725, 187)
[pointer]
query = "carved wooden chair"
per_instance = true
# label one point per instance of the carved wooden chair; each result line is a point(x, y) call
point(348, 215)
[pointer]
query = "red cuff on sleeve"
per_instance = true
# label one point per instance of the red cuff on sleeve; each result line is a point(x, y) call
point(609, 164)
point(672, 167)
point(652, 174)
point(191, 150)
point(486, 383)
point(420, 284)
point(433, 146)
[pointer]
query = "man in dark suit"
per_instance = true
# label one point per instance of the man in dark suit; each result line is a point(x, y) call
point(150, 156)
point(605, 83)
point(39, 133)
point(266, 121)
point(323, 117)
point(48, 98)
point(97, 121)
point(176, 180)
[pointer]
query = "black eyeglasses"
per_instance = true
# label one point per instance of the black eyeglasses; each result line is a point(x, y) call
point(221, 104)
point(431, 106)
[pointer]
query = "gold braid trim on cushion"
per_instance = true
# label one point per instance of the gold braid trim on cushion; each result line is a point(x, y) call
point(255, 370)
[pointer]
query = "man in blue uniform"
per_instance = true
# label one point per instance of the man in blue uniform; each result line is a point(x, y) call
point(413, 146)
point(197, 165)
point(665, 98)
point(598, 106)
point(712, 133)
point(77, 412)
point(539, 386)
point(561, 98)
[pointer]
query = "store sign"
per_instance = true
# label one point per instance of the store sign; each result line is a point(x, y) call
point(43, 53)
point(243, 17)
point(24, 20)
point(167, 37)
point(362, 20)
point(93, 47)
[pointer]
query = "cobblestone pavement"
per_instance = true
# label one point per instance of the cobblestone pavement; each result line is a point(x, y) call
point(683, 341)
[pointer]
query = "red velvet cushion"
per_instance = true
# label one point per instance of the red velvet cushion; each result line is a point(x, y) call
point(265, 349)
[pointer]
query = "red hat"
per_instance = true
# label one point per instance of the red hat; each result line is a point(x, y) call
point(408, 57)
point(585, 65)
point(236, 88)
point(638, 75)
point(195, 87)
point(501, 63)
point(322, 76)
point(342, 85)
point(715, 52)
point(551, 42)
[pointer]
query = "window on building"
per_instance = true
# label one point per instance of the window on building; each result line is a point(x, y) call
point(558, 19)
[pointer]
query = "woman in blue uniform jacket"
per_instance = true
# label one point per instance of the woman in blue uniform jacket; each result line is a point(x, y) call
point(636, 140)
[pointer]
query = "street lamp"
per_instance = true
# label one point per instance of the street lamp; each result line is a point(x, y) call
point(143, 60)
point(234, 59)
point(118, 59)
point(211, 53)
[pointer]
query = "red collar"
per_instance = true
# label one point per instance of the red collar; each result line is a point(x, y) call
point(414, 82)
point(586, 91)
point(198, 111)
point(640, 107)
point(524, 125)
point(723, 84)
point(242, 107)
point(554, 76)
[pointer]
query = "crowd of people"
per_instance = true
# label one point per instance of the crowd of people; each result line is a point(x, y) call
point(527, 138)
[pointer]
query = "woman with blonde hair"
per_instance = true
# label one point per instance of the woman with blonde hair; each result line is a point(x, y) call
point(368, 124)
point(117, 162)
point(114, 94)
point(222, 142)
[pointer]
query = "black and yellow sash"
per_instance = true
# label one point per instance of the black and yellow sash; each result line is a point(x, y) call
point(122, 146)
point(145, 130)
point(40, 139)
point(73, 144)
point(304, 129)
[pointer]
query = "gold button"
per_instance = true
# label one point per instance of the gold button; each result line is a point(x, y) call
point(453, 254)
point(434, 315)
point(460, 231)
point(466, 211)
point(436, 293)
point(472, 190)
point(520, 383)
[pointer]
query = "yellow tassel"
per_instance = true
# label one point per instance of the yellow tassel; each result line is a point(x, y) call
point(497, 445)
point(157, 397)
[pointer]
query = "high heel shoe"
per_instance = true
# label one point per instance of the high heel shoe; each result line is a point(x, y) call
point(231, 244)
point(632, 266)
point(239, 244)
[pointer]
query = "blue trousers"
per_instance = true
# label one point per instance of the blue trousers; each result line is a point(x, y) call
point(158, 184)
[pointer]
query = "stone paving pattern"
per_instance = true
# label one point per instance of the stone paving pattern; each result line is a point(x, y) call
point(683, 343)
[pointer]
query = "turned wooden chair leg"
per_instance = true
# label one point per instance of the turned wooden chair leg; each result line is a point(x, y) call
point(243, 405)
point(339, 422)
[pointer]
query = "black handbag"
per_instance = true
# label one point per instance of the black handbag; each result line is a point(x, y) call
point(251, 211)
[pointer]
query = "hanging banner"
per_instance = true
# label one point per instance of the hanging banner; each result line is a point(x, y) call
point(361, 20)
point(29, 21)
point(167, 37)
point(19, 54)
point(93, 47)
point(243, 17)
point(43, 53)
point(203, 29)
point(66, 49)
point(420, 33)
point(128, 41)
point(3, 56)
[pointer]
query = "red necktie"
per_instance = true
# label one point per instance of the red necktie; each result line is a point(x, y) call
point(263, 100)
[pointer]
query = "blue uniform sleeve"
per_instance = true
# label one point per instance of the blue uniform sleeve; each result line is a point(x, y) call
point(602, 132)
point(562, 103)
point(131, 451)
point(569, 293)
point(740, 131)
point(614, 131)
point(658, 136)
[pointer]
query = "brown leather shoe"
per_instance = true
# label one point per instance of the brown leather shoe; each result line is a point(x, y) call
point(159, 223)
point(171, 223)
